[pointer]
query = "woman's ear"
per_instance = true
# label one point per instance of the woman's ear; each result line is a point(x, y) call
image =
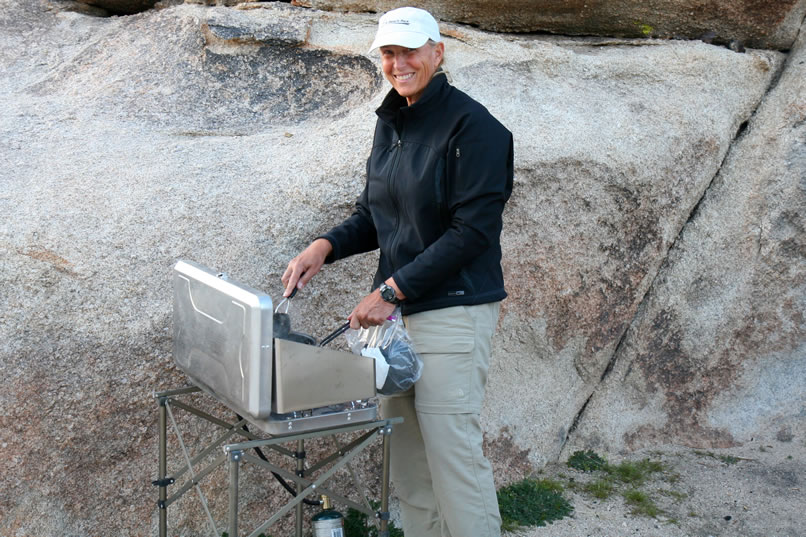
point(439, 53)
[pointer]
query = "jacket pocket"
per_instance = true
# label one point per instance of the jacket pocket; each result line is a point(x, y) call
point(440, 195)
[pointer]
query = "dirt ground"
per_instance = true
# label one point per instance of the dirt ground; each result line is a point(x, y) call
point(758, 490)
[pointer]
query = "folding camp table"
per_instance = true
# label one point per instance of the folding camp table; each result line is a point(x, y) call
point(235, 445)
point(224, 340)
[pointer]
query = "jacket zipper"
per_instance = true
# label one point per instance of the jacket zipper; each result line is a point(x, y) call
point(396, 147)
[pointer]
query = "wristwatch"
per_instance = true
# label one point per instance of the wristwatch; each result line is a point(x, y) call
point(388, 294)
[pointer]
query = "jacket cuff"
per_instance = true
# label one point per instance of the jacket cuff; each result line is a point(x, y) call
point(334, 253)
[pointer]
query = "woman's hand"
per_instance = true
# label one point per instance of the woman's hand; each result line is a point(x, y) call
point(371, 311)
point(302, 268)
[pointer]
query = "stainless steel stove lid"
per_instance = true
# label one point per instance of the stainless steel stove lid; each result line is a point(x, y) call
point(223, 337)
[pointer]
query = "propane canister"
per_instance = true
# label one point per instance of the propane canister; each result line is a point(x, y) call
point(328, 522)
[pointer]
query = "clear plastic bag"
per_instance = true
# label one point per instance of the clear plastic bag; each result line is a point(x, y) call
point(397, 364)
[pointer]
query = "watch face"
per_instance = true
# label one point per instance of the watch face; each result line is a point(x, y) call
point(388, 294)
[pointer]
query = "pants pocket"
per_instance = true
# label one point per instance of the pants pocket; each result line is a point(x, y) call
point(445, 340)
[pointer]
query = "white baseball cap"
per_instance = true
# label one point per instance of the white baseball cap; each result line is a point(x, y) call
point(408, 27)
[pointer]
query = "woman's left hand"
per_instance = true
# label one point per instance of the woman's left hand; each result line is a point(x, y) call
point(371, 311)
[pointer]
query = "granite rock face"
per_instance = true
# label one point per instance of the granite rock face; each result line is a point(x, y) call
point(617, 159)
point(641, 243)
point(717, 355)
point(771, 25)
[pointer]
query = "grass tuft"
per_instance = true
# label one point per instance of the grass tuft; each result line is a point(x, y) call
point(601, 488)
point(635, 473)
point(641, 503)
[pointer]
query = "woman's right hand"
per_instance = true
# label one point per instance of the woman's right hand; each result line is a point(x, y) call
point(302, 268)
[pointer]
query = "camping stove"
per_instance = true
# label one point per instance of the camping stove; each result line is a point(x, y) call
point(224, 341)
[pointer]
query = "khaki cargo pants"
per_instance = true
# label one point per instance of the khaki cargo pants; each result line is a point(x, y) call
point(442, 479)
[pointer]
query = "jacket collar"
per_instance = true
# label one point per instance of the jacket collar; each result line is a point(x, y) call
point(393, 104)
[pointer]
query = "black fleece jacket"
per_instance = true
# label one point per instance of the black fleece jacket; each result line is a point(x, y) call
point(438, 176)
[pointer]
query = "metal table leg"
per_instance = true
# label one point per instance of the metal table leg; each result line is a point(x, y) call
point(234, 460)
point(384, 514)
point(300, 455)
point(163, 469)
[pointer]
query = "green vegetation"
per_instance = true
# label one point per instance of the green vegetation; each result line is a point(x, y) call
point(586, 461)
point(601, 488)
point(646, 29)
point(532, 502)
point(356, 524)
point(635, 473)
point(641, 503)
point(626, 478)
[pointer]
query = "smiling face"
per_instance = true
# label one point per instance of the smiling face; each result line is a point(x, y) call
point(410, 70)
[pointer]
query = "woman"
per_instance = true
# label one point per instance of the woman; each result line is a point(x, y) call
point(438, 176)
